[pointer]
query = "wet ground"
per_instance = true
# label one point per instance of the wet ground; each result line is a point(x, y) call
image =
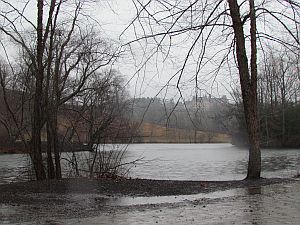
point(169, 200)
point(277, 203)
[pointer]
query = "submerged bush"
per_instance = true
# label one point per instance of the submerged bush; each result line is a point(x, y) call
point(105, 161)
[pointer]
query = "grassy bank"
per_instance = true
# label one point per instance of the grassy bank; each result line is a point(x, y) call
point(152, 133)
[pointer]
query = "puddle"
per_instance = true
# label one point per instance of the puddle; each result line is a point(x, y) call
point(132, 201)
point(5, 212)
point(273, 204)
point(276, 205)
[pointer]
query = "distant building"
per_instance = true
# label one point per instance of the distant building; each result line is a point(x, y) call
point(207, 102)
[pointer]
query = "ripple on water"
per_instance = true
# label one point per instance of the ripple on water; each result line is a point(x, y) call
point(181, 162)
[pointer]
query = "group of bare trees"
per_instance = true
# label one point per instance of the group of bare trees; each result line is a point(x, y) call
point(62, 62)
point(278, 101)
point(214, 35)
point(205, 113)
point(279, 90)
point(60, 52)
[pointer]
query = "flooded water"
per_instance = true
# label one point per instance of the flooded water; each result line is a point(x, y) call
point(14, 167)
point(274, 204)
point(209, 161)
point(182, 162)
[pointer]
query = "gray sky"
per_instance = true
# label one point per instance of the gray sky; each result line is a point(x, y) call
point(113, 16)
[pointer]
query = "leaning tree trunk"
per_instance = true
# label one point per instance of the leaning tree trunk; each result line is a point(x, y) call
point(248, 83)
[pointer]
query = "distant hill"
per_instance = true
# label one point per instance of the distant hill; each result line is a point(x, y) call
point(152, 133)
point(202, 113)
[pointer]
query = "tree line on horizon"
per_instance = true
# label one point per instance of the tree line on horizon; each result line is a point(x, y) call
point(278, 101)
point(201, 114)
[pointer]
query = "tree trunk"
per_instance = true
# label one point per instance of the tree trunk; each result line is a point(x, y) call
point(50, 165)
point(283, 103)
point(248, 83)
point(54, 122)
point(55, 146)
point(36, 151)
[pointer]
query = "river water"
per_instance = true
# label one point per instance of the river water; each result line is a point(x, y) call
point(181, 162)
point(273, 204)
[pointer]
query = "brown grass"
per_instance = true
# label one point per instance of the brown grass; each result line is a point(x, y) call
point(153, 133)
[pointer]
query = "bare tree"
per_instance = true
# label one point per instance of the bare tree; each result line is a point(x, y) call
point(14, 115)
point(61, 53)
point(98, 117)
point(279, 91)
point(211, 31)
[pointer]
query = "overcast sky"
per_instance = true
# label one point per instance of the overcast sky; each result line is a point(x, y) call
point(113, 16)
point(144, 80)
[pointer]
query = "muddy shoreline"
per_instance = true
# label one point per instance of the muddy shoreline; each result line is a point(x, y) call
point(128, 187)
point(46, 202)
